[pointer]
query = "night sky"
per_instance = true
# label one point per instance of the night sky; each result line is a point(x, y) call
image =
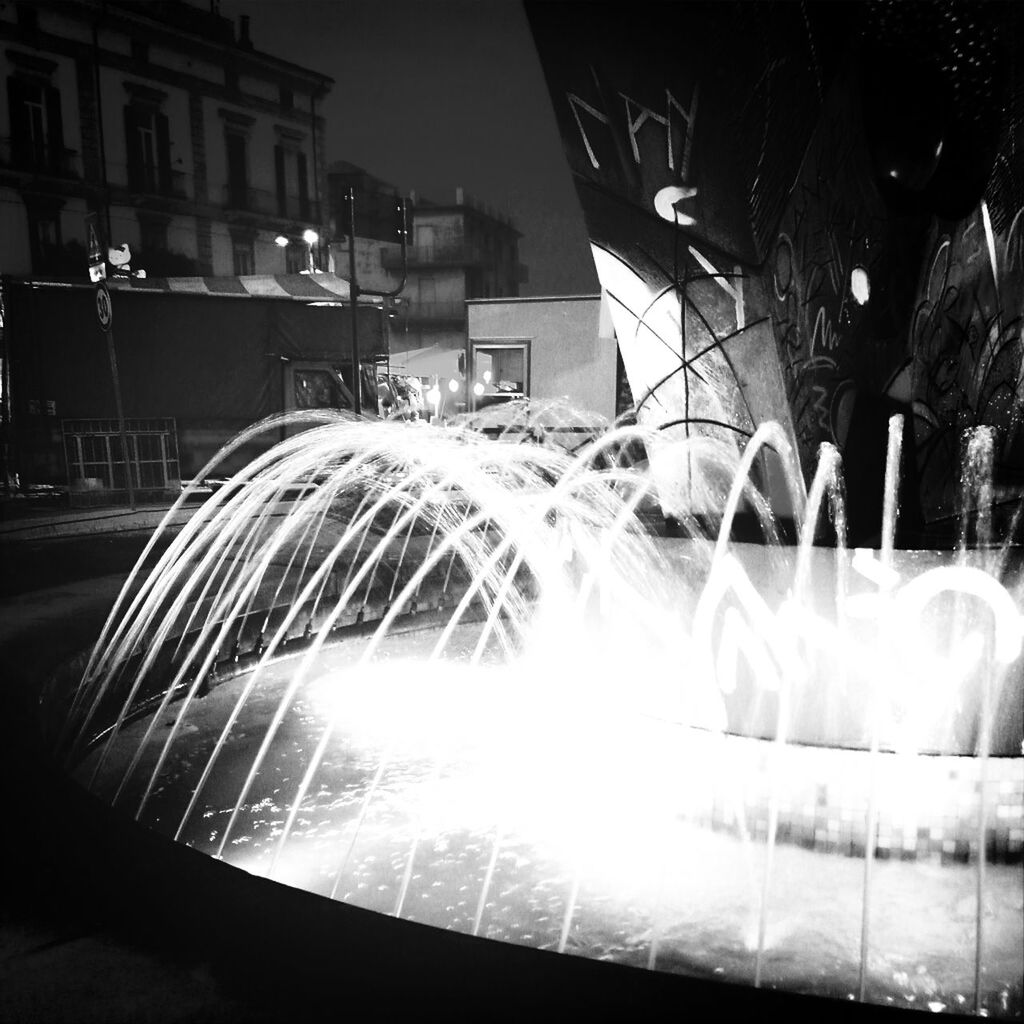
point(431, 94)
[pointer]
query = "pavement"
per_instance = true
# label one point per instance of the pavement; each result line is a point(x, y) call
point(66, 953)
point(35, 519)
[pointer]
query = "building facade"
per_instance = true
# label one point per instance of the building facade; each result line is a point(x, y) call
point(460, 250)
point(162, 120)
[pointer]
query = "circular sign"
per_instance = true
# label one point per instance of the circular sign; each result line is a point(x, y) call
point(104, 307)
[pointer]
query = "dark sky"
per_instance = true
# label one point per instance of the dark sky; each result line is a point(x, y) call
point(431, 94)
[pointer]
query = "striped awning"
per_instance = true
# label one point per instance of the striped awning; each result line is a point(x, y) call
point(299, 287)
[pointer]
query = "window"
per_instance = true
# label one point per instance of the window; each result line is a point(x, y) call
point(28, 17)
point(152, 234)
point(503, 370)
point(242, 256)
point(296, 258)
point(238, 174)
point(149, 149)
point(291, 179)
point(37, 133)
point(45, 241)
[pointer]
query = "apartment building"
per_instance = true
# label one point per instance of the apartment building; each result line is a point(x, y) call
point(188, 144)
point(459, 250)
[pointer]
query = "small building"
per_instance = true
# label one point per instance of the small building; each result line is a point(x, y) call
point(543, 348)
point(459, 250)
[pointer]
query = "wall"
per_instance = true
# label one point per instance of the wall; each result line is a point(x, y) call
point(214, 364)
point(826, 236)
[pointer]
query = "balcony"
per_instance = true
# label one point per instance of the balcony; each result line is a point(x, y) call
point(39, 159)
point(271, 204)
point(157, 181)
point(452, 312)
point(456, 254)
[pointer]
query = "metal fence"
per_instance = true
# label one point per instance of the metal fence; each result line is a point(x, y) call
point(96, 462)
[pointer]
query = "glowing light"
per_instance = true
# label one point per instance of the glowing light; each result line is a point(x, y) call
point(478, 389)
point(310, 237)
point(487, 376)
point(453, 385)
point(860, 285)
point(667, 204)
point(282, 242)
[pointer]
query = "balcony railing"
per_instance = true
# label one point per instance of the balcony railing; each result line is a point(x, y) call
point(270, 204)
point(39, 158)
point(154, 181)
point(455, 254)
point(434, 311)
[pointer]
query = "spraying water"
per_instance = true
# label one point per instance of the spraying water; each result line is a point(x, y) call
point(464, 682)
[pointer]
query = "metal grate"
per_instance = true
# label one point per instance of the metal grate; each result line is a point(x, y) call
point(96, 461)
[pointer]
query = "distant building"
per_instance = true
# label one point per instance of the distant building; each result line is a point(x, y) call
point(460, 250)
point(159, 127)
point(189, 145)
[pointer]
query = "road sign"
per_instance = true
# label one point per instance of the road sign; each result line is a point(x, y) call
point(104, 307)
point(97, 261)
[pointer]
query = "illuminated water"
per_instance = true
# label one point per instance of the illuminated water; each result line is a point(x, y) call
point(528, 768)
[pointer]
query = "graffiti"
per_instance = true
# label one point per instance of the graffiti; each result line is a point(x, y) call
point(814, 313)
point(899, 650)
point(637, 115)
point(967, 346)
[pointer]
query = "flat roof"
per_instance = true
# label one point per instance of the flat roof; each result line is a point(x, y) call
point(532, 298)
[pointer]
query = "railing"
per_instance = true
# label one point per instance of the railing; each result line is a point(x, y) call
point(416, 310)
point(96, 461)
point(40, 158)
point(156, 182)
point(267, 203)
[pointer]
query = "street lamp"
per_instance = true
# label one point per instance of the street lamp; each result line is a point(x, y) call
point(310, 237)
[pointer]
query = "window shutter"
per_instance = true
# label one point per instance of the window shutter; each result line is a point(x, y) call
point(303, 188)
point(282, 202)
point(54, 129)
point(163, 153)
point(19, 119)
point(133, 147)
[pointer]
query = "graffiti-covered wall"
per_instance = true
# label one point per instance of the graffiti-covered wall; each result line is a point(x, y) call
point(807, 213)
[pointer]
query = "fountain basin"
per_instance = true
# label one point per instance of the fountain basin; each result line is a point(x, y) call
point(501, 802)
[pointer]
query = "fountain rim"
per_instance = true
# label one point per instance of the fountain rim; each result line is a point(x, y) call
point(173, 897)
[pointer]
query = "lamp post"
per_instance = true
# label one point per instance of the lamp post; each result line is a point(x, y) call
point(355, 291)
point(353, 299)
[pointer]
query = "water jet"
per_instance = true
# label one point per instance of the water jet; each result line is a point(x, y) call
point(461, 684)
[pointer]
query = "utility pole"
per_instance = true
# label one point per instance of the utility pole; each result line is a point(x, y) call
point(353, 298)
point(355, 291)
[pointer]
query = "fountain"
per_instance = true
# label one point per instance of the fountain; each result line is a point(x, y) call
point(464, 684)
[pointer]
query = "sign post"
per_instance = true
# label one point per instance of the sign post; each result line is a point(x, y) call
point(105, 315)
point(97, 264)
